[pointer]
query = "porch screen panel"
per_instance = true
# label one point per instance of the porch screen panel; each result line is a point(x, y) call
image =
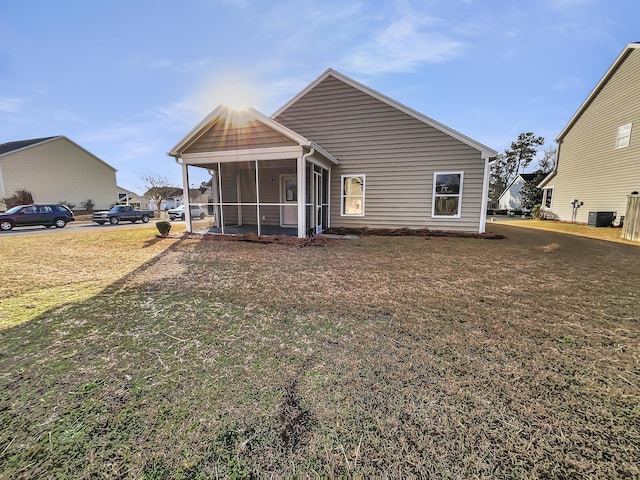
point(203, 189)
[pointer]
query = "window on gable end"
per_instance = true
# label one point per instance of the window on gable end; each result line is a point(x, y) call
point(624, 135)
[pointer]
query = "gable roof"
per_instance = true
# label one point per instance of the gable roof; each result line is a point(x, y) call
point(224, 113)
point(626, 51)
point(486, 151)
point(527, 177)
point(545, 181)
point(11, 147)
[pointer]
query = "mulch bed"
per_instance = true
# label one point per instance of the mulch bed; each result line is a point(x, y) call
point(253, 238)
point(320, 240)
point(409, 232)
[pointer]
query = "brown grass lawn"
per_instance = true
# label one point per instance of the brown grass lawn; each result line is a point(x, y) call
point(440, 357)
point(613, 234)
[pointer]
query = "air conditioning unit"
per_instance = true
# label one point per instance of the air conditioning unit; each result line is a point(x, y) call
point(601, 219)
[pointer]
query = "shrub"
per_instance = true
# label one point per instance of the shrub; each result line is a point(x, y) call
point(540, 214)
point(21, 197)
point(536, 212)
point(88, 204)
point(163, 227)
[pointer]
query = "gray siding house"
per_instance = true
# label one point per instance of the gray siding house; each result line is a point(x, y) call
point(339, 154)
point(598, 163)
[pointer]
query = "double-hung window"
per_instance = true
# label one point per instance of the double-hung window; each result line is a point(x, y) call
point(352, 203)
point(624, 135)
point(447, 194)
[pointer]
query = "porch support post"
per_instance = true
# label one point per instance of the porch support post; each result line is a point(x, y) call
point(185, 198)
point(329, 197)
point(301, 196)
point(220, 200)
point(258, 199)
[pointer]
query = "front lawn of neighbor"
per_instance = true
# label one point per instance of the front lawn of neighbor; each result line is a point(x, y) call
point(383, 356)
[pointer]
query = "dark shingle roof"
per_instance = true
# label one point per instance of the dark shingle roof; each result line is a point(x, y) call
point(11, 146)
point(527, 177)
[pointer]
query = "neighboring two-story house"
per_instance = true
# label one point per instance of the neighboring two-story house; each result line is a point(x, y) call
point(598, 163)
point(55, 169)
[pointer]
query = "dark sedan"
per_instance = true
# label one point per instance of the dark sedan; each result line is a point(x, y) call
point(30, 215)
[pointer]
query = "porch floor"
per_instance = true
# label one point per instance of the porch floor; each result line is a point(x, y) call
point(264, 230)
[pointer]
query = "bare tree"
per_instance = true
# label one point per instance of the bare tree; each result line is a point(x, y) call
point(548, 160)
point(157, 189)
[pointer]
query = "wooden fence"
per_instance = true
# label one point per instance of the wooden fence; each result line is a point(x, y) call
point(631, 228)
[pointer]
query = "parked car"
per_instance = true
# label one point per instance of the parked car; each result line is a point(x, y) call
point(197, 211)
point(29, 215)
point(124, 213)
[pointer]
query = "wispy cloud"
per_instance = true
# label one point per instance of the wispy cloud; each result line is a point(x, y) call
point(12, 104)
point(567, 5)
point(568, 84)
point(150, 63)
point(404, 45)
point(236, 3)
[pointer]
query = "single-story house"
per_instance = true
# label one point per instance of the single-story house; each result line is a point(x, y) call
point(339, 154)
point(598, 165)
point(511, 198)
point(55, 169)
point(173, 198)
point(127, 197)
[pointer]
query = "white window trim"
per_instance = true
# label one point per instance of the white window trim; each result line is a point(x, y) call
point(624, 133)
point(343, 195)
point(459, 194)
point(544, 199)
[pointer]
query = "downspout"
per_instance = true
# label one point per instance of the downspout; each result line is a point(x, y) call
point(485, 195)
point(302, 199)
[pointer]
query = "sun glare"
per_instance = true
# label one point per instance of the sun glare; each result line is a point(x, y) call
point(233, 91)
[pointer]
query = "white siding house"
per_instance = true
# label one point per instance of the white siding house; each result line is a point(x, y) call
point(511, 198)
point(55, 169)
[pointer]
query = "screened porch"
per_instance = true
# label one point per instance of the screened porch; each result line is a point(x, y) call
point(263, 197)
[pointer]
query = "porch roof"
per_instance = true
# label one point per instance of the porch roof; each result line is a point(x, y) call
point(239, 120)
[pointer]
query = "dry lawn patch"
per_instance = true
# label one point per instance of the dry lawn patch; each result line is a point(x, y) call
point(439, 357)
point(43, 272)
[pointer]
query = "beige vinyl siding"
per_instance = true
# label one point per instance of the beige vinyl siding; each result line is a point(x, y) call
point(59, 170)
point(398, 154)
point(590, 167)
point(222, 137)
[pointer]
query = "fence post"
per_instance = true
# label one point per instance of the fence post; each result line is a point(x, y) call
point(631, 227)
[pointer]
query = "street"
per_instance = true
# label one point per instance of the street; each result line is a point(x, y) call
point(82, 226)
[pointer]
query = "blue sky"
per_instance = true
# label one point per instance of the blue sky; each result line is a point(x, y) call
point(127, 79)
